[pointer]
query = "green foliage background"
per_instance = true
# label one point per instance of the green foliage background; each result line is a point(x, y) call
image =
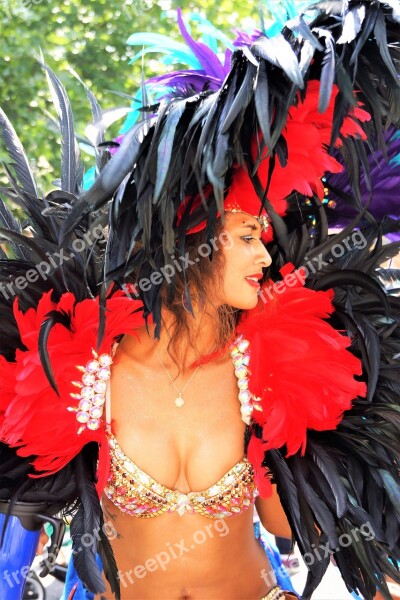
point(89, 36)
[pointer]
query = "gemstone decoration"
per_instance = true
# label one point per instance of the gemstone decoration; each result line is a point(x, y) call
point(105, 360)
point(82, 417)
point(87, 392)
point(92, 366)
point(88, 378)
point(103, 373)
point(243, 383)
point(244, 396)
point(138, 494)
point(243, 345)
point(91, 398)
point(98, 400)
point(99, 386)
point(241, 359)
point(96, 412)
point(241, 372)
point(85, 405)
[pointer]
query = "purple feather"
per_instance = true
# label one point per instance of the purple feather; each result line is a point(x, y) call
point(245, 39)
point(197, 81)
point(227, 60)
point(206, 57)
point(385, 181)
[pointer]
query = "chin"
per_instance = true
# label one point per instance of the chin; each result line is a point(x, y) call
point(252, 304)
point(245, 303)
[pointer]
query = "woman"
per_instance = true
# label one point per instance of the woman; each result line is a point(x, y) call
point(303, 419)
point(192, 447)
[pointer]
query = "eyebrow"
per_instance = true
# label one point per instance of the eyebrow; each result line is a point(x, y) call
point(251, 226)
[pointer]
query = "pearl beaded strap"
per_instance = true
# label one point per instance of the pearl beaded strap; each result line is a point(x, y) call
point(96, 373)
point(92, 386)
point(241, 357)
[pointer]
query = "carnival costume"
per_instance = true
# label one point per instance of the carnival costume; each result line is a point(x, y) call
point(257, 134)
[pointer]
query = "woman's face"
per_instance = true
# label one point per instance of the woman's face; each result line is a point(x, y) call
point(245, 258)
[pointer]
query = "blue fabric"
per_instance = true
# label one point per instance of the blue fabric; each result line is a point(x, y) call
point(72, 578)
point(272, 552)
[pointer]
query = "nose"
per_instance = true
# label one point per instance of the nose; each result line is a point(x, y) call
point(264, 258)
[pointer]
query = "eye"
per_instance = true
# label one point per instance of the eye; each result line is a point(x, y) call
point(249, 238)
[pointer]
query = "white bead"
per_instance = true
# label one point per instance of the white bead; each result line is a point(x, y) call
point(100, 386)
point(246, 359)
point(105, 360)
point(87, 392)
point(238, 361)
point(98, 400)
point(103, 374)
point(85, 405)
point(244, 396)
point(82, 417)
point(246, 409)
point(92, 366)
point(88, 378)
point(243, 384)
point(96, 412)
point(243, 345)
point(241, 372)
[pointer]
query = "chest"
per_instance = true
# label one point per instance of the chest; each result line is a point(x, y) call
point(188, 447)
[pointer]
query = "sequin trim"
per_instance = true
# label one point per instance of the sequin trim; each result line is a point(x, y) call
point(276, 593)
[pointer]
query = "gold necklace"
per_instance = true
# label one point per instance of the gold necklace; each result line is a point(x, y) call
point(179, 400)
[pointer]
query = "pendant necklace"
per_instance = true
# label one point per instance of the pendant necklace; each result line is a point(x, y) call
point(179, 400)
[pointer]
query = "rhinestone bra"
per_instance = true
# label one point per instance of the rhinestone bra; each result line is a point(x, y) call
point(136, 493)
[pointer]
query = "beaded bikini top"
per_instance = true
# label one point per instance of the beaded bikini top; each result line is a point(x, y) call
point(136, 493)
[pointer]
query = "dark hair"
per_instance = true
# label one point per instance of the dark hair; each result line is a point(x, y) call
point(202, 274)
point(204, 277)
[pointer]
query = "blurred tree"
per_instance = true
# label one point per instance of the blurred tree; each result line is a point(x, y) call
point(91, 38)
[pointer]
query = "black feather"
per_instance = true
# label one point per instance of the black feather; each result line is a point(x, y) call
point(69, 148)
point(52, 319)
point(382, 43)
point(16, 152)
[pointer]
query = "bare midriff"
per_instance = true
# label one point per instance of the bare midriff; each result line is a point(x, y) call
point(187, 558)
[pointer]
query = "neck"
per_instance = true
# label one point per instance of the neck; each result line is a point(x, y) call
point(203, 334)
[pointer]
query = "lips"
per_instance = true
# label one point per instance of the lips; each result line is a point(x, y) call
point(253, 280)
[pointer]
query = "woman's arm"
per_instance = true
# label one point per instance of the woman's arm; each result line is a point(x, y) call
point(272, 515)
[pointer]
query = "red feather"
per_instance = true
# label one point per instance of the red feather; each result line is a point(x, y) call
point(308, 136)
point(255, 454)
point(300, 366)
point(33, 418)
